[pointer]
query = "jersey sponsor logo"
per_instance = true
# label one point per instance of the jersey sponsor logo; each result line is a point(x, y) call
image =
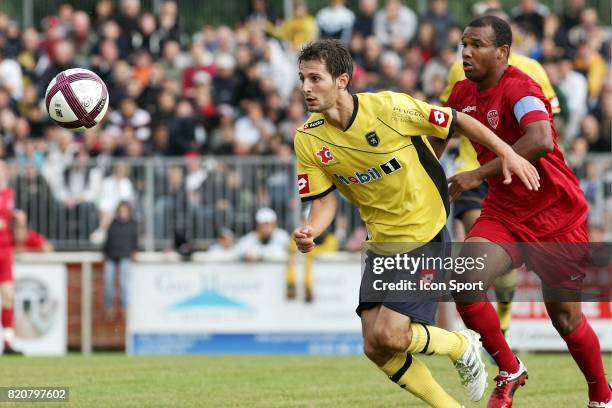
point(438, 117)
point(371, 174)
point(493, 118)
point(469, 109)
point(373, 139)
point(407, 115)
point(325, 155)
point(314, 124)
point(303, 185)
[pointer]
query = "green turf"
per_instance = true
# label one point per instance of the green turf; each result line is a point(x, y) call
point(114, 380)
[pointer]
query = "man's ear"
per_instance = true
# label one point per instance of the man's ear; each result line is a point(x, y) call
point(503, 52)
point(342, 81)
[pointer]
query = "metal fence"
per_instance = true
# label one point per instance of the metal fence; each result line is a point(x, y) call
point(174, 200)
point(190, 199)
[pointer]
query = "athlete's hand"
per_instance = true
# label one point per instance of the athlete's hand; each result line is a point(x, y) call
point(516, 164)
point(304, 239)
point(461, 182)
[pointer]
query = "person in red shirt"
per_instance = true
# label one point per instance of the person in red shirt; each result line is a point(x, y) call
point(8, 215)
point(27, 240)
point(512, 105)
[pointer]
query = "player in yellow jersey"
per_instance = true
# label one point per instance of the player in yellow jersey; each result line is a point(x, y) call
point(467, 207)
point(369, 147)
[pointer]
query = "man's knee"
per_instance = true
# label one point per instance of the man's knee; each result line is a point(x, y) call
point(565, 320)
point(7, 294)
point(390, 338)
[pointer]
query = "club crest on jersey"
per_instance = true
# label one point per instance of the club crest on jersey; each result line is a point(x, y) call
point(325, 155)
point(438, 117)
point(493, 118)
point(314, 124)
point(373, 139)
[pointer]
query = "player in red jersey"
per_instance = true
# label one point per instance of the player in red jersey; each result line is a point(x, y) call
point(512, 105)
point(8, 214)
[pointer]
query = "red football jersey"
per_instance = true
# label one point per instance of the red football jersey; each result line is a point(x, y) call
point(7, 204)
point(559, 206)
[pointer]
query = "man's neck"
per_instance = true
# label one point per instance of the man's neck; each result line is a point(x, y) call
point(340, 114)
point(493, 80)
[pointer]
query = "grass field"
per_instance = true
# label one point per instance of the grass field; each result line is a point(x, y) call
point(115, 380)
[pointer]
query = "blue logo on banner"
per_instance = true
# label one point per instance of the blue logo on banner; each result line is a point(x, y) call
point(209, 298)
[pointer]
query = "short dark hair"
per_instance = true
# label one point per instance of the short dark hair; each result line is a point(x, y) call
point(502, 30)
point(333, 53)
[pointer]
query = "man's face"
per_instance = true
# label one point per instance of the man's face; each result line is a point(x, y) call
point(480, 55)
point(318, 87)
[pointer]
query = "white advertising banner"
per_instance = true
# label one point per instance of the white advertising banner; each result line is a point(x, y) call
point(41, 309)
point(240, 304)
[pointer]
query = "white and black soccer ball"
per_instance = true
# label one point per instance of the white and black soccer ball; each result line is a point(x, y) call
point(76, 99)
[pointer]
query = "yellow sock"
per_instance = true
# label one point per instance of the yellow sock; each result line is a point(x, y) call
point(412, 375)
point(308, 271)
point(504, 311)
point(291, 274)
point(429, 340)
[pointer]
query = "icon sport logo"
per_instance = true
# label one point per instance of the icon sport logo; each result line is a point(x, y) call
point(325, 155)
point(438, 117)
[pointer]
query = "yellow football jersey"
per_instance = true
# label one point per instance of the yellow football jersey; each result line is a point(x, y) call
point(381, 163)
point(466, 160)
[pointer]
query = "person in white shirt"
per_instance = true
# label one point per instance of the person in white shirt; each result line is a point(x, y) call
point(266, 243)
point(395, 20)
point(336, 21)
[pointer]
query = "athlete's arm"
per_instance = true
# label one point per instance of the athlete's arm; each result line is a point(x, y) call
point(322, 213)
point(510, 162)
point(536, 141)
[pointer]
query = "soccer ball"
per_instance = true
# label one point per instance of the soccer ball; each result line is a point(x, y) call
point(76, 99)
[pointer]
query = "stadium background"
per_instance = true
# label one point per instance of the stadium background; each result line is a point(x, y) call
point(198, 152)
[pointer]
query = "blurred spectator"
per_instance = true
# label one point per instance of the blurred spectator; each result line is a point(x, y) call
point(223, 247)
point(252, 129)
point(120, 247)
point(529, 15)
point(28, 240)
point(266, 243)
point(31, 57)
point(186, 132)
point(336, 21)
point(170, 207)
point(130, 116)
point(592, 64)
point(10, 75)
point(364, 22)
point(169, 27)
point(63, 60)
point(574, 87)
point(441, 19)
point(226, 82)
point(114, 189)
point(82, 36)
point(395, 23)
point(298, 29)
point(260, 14)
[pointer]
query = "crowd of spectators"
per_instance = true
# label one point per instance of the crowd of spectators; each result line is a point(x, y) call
point(234, 91)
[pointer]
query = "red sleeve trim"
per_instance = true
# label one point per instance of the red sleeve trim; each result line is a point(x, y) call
point(534, 116)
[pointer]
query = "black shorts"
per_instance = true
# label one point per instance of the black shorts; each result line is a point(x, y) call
point(470, 200)
point(419, 311)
